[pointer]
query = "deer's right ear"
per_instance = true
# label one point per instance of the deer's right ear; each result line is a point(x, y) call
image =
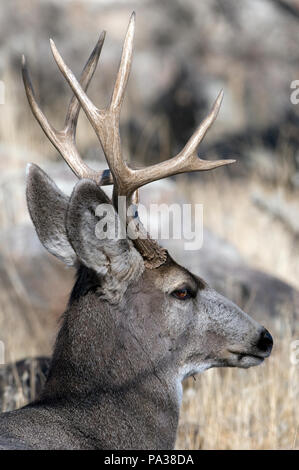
point(48, 207)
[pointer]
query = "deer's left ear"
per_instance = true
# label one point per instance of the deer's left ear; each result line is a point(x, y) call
point(47, 207)
point(115, 259)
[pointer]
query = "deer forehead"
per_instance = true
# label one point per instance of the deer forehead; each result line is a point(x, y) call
point(172, 277)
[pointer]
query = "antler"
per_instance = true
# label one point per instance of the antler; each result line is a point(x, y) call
point(106, 125)
point(64, 140)
point(105, 122)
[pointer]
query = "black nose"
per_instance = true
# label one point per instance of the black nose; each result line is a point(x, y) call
point(265, 342)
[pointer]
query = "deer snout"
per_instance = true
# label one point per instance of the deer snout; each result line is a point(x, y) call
point(265, 342)
point(260, 348)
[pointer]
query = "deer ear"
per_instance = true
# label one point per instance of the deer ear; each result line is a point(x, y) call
point(48, 207)
point(115, 259)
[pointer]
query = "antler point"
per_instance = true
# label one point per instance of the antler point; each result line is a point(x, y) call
point(52, 44)
point(220, 96)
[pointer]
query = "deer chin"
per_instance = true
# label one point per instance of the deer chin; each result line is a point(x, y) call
point(189, 370)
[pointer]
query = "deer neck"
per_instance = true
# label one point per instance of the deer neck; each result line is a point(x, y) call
point(107, 386)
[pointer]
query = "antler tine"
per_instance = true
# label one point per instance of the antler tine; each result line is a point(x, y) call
point(124, 67)
point(85, 78)
point(197, 137)
point(187, 160)
point(64, 141)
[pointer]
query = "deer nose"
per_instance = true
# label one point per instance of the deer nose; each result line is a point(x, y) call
point(265, 341)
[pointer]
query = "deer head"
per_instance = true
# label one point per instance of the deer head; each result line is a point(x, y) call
point(137, 323)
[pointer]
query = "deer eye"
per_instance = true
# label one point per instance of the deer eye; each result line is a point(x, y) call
point(182, 294)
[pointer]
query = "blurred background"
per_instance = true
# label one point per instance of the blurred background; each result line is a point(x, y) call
point(185, 52)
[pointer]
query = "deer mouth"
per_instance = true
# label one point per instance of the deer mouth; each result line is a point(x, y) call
point(242, 354)
point(247, 359)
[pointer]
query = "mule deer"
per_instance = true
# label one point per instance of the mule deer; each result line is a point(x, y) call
point(137, 323)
